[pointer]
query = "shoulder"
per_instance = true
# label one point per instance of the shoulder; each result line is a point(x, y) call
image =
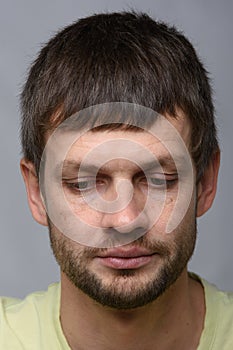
point(21, 321)
point(218, 300)
point(34, 304)
point(218, 326)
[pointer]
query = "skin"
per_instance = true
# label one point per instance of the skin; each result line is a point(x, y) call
point(175, 319)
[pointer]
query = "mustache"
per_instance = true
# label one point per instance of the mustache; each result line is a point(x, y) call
point(151, 245)
point(144, 242)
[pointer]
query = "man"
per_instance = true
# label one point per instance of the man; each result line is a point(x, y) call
point(120, 158)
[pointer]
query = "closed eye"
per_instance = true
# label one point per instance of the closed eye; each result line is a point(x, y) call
point(85, 184)
point(80, 185)
point(160, 181)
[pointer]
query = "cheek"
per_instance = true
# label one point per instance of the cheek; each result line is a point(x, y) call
point(174, 214)
point(165, 214)
point(81, 207)
point(84, 213)
point(88, 215)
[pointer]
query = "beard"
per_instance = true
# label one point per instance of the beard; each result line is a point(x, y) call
point(131, 288)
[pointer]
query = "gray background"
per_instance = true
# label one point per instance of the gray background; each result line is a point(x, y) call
point(26, 262)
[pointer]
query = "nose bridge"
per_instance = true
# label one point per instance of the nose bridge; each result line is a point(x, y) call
point(123, 202)
point(128, 217)
point(125, 191)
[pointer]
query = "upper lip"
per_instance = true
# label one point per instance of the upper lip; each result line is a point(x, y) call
point(126, 253)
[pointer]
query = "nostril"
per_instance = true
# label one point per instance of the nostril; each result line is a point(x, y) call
point(112, 230)
point(118, 234)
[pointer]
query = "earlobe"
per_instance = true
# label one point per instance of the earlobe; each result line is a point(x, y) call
point(33, 192)
point(207, 186)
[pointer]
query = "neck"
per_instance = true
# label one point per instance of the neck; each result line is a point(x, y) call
point(175, 320)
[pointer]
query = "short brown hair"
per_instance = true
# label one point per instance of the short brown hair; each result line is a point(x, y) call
point(117, 57)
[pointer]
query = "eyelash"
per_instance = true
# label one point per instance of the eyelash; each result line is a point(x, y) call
point(161, 183)
point(165, 183)
point(77, 185)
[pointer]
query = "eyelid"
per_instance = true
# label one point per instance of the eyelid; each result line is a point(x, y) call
point(78, 178)
point(167, 176)
point(92, 182)
point(74, 185)
point(157, 182)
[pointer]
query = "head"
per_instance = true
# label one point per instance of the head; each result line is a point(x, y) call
point(110, 58)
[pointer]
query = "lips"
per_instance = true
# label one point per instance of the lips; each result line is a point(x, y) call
point(133, 252)
point(120, 258)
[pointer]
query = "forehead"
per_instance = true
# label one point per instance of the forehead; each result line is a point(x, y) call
point(168, 140)
point(168, 133)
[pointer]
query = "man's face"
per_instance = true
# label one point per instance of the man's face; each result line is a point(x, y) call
point(136, 202)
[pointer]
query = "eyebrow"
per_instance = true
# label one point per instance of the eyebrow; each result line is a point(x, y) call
point(74, 166)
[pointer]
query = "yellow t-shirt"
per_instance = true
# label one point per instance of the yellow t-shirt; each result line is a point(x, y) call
point(33, 323)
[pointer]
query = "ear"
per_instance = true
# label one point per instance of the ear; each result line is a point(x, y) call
point(33, 192)
point(207, 186)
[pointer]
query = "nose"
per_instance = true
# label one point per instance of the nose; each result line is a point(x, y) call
point(131, 218)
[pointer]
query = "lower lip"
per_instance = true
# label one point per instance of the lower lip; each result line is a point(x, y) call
point(126, 263)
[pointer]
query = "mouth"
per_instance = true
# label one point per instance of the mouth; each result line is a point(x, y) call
point(120, 258)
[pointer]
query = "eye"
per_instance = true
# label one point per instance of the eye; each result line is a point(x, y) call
point(160, 181)
point(80, 185)
point(85, 185)
point(157, 181)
